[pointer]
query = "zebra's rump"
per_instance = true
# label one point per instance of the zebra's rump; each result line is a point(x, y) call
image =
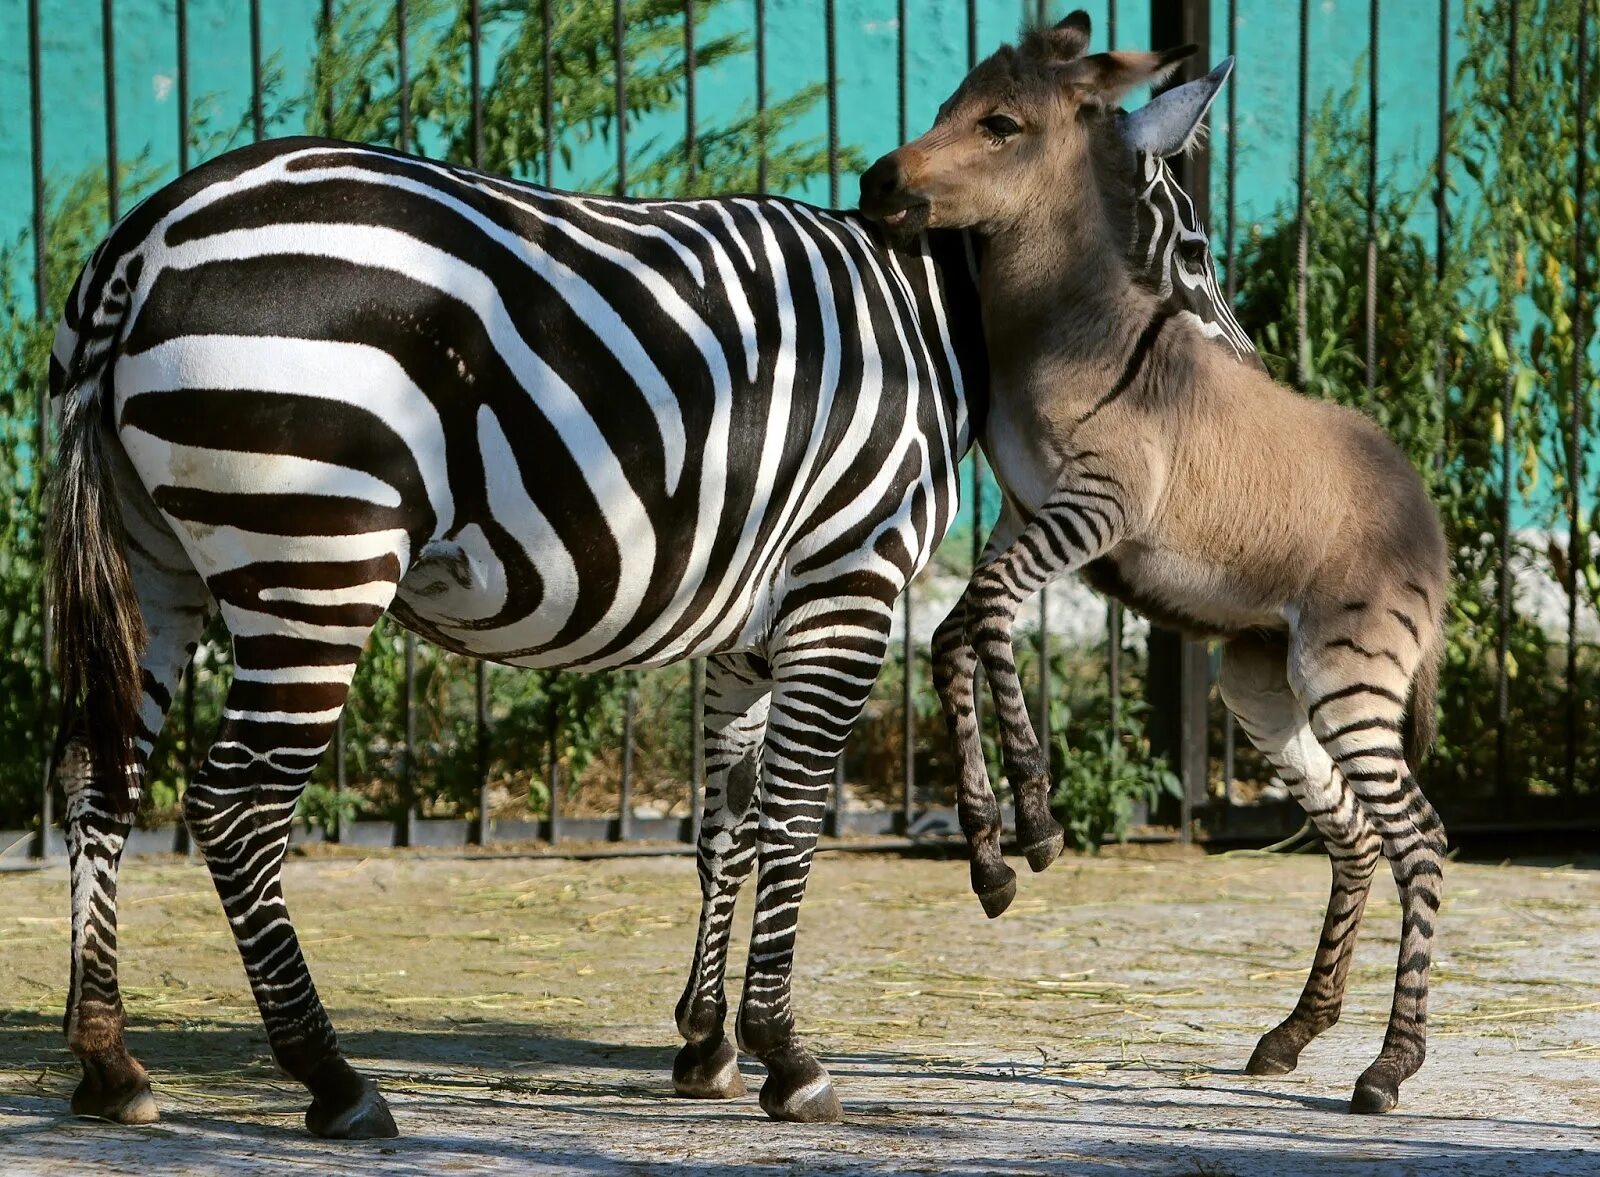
point(596, 432)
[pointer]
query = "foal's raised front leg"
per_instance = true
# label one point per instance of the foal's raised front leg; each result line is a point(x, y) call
point(738, 692)
point(1079, 522)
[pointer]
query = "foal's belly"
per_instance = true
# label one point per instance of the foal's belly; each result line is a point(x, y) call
point(1177, 592)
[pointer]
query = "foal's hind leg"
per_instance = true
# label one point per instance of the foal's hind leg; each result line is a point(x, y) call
point(1255, 686)
point(738, 693)
point(175, 605)
point(1352, 667)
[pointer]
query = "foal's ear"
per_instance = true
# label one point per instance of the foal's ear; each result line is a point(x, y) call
point(1068, 38)
point(1170, 122)
point(1103, 78)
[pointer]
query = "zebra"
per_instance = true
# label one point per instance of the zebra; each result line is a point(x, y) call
point(293, 387)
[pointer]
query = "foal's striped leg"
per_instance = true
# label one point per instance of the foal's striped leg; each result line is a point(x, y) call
point(1079, 522)
point(738, 691)
point(1255, 686)
point(298, 629)
point(1352, 669)
point(823, 669)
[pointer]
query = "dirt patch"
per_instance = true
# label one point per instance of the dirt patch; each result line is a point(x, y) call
point(519, 1017)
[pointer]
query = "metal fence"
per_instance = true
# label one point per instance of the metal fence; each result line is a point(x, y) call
point(1186, 722)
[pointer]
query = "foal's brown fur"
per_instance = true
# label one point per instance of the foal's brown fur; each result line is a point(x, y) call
point(1195, 489)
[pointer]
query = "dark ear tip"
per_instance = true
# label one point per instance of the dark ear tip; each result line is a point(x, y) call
point(1077, 21)
point(1182, 51)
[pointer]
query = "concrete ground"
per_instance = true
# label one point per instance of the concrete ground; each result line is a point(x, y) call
point(519, 1016)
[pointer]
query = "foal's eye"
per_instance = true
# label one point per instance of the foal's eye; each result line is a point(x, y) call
point(1192, 249)
point(1000, 126)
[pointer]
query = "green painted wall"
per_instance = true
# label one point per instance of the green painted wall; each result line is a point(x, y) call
point(74, 125)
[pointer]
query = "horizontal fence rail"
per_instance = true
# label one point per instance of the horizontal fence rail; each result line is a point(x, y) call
point(1137, 699)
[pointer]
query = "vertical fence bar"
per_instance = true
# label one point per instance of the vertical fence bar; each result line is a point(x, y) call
point(619, 52)
point(697, 746)
point(180, 837)
point(761, 92)
point(1230, 242)
point(41, 301)
point(258, 120)
point(830, 24)
point(1301, 228)
point(553, 773)
point(327, 98)
point(1577, 555)
point(341, 779)
point(405, 824)
point(480, 669)
point(691, 145)
point(1111, 24)
point(547, 112)
point(1441, 226)
point(1502, 731)
point(1043, 725)
point(1371, 308)
point(183, 86)
point(403, 73)
point(108, 56)
point(625, 802)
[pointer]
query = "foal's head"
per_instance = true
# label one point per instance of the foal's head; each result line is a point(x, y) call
point(1033, 129)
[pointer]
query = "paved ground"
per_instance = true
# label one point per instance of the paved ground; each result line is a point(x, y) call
point(519, 1015)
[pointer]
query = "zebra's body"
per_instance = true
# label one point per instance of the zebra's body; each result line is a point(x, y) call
point(321, 381)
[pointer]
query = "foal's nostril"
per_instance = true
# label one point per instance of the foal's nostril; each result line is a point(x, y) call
point(881, 180)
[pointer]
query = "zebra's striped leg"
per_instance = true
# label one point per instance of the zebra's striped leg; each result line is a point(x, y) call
point(1255, 686)
point(287, 692)
point(1074, 526)
point(954, 678)
point(737, 695)
point(1353, 672)
point(821, 680)
point(174, 604)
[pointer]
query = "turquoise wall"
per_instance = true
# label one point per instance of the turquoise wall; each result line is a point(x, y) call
point(74, 128)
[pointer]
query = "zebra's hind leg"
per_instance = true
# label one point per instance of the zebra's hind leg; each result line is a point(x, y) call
point(738, 691)
point(1255, 686)
point(175, 606)
point(288, 689)
point(1352, 667)
point(955, 680)
point(823, 670)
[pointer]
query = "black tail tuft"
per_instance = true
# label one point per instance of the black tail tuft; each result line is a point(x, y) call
point(1423, 724)
point(97, 629)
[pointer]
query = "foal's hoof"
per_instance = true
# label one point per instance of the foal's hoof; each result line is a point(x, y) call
point(132, 1104)
point(801, 1096)
point(366, 1119)
point(1272, 1059)
point(1374, 1097)
point(1046, 850)
point(996, 900)
point(714, 1075)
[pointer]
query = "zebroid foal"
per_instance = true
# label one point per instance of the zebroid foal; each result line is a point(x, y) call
point(1193, 488)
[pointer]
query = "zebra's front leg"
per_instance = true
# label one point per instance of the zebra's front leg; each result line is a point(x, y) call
point(955, 680)
point(278, 718)
point(1076, 524)
point(738, 692)
point(822, 676)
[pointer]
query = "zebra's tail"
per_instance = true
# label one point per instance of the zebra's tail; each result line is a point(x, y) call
point(97, 629)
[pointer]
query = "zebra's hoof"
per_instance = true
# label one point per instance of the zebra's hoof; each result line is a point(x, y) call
point(996, 901)
point(801, 1096)
point(1046, 850)
point(1374, 1097)
point(1269, 1060)
point(366, 1119)
point(131, 1104)
point(700, 1075)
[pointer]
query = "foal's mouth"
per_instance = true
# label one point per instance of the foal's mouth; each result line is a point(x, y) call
point(902, 216)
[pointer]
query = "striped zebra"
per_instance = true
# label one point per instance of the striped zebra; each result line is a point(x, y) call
point(311, 382)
